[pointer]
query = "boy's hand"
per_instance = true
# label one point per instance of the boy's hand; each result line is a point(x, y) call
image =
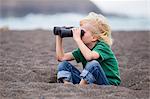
point(76, 34)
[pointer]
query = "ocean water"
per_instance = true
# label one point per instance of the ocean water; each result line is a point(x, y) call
point(40, 21)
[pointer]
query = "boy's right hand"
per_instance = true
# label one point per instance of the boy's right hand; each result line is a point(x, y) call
point(76, 34)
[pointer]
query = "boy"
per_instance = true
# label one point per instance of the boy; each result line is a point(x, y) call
point(100, 65)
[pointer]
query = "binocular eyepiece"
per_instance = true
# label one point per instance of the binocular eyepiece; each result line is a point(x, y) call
point(65, 31)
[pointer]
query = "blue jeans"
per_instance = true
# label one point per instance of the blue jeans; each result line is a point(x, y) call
point(92, 73)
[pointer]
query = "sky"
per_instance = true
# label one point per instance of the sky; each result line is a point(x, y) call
point(128, 7)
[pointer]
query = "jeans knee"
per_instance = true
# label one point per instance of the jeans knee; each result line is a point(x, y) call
point(91, 65)
point(62, 65)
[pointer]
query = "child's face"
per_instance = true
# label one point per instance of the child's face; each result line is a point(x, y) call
point(88, 37)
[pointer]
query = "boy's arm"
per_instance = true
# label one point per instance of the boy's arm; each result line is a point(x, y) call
point(87, 53)
point(60, 55)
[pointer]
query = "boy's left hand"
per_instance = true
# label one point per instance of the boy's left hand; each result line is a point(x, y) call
point(76, 34)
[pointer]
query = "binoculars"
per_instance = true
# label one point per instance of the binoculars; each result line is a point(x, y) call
point(65, 31)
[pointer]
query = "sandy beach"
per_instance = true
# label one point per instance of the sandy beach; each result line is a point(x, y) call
point(28, 67)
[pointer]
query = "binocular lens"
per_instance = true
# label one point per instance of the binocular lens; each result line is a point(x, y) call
point(65, 31)
point(56, 30)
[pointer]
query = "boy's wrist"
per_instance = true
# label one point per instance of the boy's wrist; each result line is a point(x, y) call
point(78, 40)
point(58, 36)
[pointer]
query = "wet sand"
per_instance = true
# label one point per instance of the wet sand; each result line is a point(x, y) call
point(28, 67)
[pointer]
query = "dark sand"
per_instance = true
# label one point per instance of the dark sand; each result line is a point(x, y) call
point(28, 67)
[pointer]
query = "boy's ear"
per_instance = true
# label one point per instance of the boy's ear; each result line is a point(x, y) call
point(94, 38)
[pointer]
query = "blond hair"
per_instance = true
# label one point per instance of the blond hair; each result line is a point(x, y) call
point(98, 26)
